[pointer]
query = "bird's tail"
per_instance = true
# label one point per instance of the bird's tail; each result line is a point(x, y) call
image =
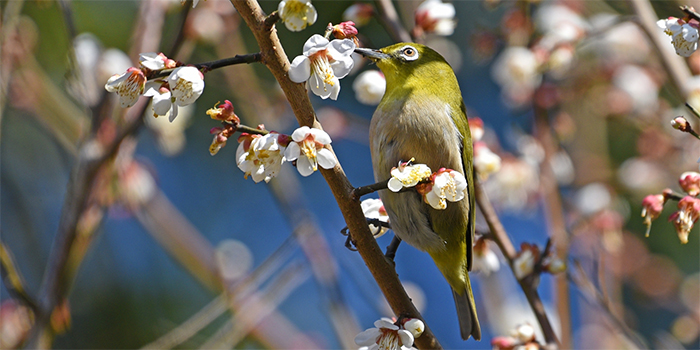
point(466, 312)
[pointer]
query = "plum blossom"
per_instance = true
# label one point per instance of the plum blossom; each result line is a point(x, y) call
point(129, 86)
point(408, 175)
point(652, 205)
point(447, 185)
point(688, 213)
point(359, 13)
point(297, 14)
point(524, 262)
point(684, 36)
point(386, 336)
point(434, 16)
point(373, 208)
point(485, 260)
point(369, 87)
point(485, 161)
point(308, 150)
point(260, 156)
point(182, 87)
point(155, 61)
point(690, 182)
point(322, 64)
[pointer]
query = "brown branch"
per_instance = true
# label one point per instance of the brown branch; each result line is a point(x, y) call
point(501, 238)
point(276, 60)
point(391, 21)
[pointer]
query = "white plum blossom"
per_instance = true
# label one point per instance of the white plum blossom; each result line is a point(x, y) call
point(322, 64)
point(415, 326)
point(369, 87)
point(161, 102)
point(485, 161)
point(485, 260)
point(297, 14)
point(129, 86)
point(434, 16)
point(684, 36)
point(152, 60)
point(260, 156)
point(385, 336)
point(447, 185)
point(524, 264)
point(517, 67)
point(408, 175)
point(186, 85)
point(373, 208)
point(308, 150)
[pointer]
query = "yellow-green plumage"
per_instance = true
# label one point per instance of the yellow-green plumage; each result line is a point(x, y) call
point(422, 116)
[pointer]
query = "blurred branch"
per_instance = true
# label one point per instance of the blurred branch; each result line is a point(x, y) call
point(593, 295)
point(277, 62)
point(526, 284)
point(8, 27)
point(391, 21)
point(12, 279)
point(674, 64)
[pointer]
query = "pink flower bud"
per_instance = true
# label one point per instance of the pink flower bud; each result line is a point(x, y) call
point(224, 112)
point(345, 30)
point(690, 182)
point(476, 126)
point(652, 205)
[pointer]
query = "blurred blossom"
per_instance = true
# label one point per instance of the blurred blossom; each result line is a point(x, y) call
point(530, 148)
point(560, 61)
point(690, 182)
point(516, 70)
point(434, 16)
point(360, 13)
point(641, 175)
point(513, 185)
point(483, 45)
point(297, 14)
point(485, 259)
point(686, 329)
point(563, 168)
point(369, 87)
point(524, 262)
point(171, 135)
point(112, 62)
point(593, 198)
point(556, 17)
point(373, 208)
point(688, 214)
point(608, 223)
point(639, 85)
point(233, 259)
point(485, 161)
point(658, 278)
point(476, 128)
point(137, 185)
point(15, 322)
point(334, 121)
point(524, 333)
point(308, 150)
point(693, 86)
point(205, 24)
point(385, 336)
point(690, 293)
point(88, 51)
point(684, 36)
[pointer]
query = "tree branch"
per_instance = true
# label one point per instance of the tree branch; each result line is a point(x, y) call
point(274, 57)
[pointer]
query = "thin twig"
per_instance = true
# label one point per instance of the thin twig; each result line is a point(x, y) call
point(358, 192)
point(390, 19)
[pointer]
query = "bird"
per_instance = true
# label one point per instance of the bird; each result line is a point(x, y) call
point(422, 117)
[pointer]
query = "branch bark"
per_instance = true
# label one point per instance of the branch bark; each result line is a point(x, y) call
point(274, 57)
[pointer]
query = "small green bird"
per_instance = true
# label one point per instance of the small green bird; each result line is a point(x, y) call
point(422, 116)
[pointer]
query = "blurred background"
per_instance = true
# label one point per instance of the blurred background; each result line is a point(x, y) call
point(578, 86)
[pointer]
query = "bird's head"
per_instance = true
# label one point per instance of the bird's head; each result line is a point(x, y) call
point(409, 65)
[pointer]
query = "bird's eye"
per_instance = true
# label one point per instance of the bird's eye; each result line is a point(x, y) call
point(409, 53)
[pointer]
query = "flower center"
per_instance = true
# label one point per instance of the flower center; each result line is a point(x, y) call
point(321, 67)
point(389, 340)
point(296, 8)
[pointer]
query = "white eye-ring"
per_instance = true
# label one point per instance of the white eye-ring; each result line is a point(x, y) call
point(409, 53)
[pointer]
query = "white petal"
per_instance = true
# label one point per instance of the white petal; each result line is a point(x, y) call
point(367, 337)
point(241, 154)
point(326, 159)
point(292, 152)
point(161, 104)
point(342, 48)
point(386, 322)
point(311, 13)
point(342, 66)
point(151, 60)
point(434, 200)
point(320, 136)
point(294, 23)
point(173, 112)
point(394, 185)
point(320, 88)
point(300, 69)
point(300, 133)
point(304, 166)
point(406, 337)
point(280, 8)
point(316, 42)
point(114, 81)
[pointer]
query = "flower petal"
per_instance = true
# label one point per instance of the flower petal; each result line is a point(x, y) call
point(326, 159)
point(367, 337)
point(300, 133)
point(300, 69)
point(292, 152)
point(406, 337)
point(315, 42)
point(304, 166)
point(394, 185)
point(320, 136)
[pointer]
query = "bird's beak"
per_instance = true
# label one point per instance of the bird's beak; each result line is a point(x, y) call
point(374, 55)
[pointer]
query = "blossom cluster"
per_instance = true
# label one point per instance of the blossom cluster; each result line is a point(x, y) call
point(436, 188)
point(180, 88)
point(688, 211)
point(684, 35)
